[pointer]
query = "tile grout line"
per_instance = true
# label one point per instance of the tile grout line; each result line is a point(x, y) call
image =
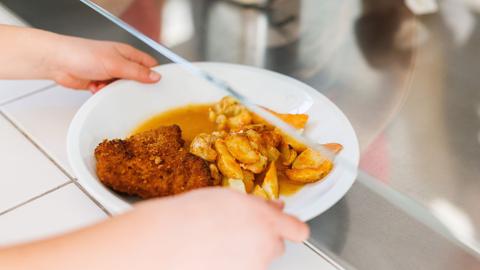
point(45, 88)
point(55, 163)
point(97, 203)
point(35, 197)
point(43, 151)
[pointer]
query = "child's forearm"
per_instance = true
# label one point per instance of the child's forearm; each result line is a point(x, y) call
point(25, 52)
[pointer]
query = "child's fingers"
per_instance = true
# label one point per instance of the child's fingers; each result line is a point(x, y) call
point(277, 204)
point(290, 228)
point(135, 55)
point(72, 82)
point(93, 87)
point(135, 71)
point(96, 86)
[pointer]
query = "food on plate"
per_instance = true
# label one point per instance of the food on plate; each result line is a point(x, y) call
point(202, 146)
point(270, 182)
point(226, 163)
point(239, 146)
point(246, 147)
point(259, 192)
point(229, 114)
point(298, 121)
point(151, 164)
point(334, 148)
point(224, 144)
point(249, 181)
point(287, 153)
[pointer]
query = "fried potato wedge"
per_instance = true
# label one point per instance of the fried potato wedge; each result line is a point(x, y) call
point(296, 145)
point(287, 154)
point(259, 192)
point(249, 181)
point(256, 167)
point(308, 159)
point(335, 148)
point(297, 121)
point(309, 175)
point(239, 146)
point(270, 182)
point(273, 154)
point(215, 173)
point(201, 146)
point(226, 163)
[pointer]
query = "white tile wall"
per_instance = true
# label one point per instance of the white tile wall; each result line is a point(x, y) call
point(24, 171)
point(60, 211)
point(46, 116)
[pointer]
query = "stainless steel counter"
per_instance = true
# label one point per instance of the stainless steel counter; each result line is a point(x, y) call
point(407, 83)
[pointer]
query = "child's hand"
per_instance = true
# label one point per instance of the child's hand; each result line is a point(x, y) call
point(211, 228)
point(72, 62)
point(214, 229)
point(87, 64)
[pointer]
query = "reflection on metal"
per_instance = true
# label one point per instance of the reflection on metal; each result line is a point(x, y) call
point(248, 32)
point(460, 20)
point(327, 258)
point(370, 233)
point(457, 222)
point(422, 7)
point(177, 22)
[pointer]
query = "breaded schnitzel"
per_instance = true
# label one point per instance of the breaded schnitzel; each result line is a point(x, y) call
point(151, 164)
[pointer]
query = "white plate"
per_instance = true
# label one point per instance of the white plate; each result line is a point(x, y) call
point(122, 106)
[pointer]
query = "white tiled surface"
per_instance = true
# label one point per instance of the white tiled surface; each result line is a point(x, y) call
point(13, 89)
point(44, 117)
point(53, 111)
point(21, 164)
point(62, 210)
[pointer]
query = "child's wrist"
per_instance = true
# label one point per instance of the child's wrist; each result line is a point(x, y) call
point(40, 52)
point(47, 53)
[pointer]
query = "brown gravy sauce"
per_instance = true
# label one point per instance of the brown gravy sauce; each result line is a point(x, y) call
point(192, 119)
